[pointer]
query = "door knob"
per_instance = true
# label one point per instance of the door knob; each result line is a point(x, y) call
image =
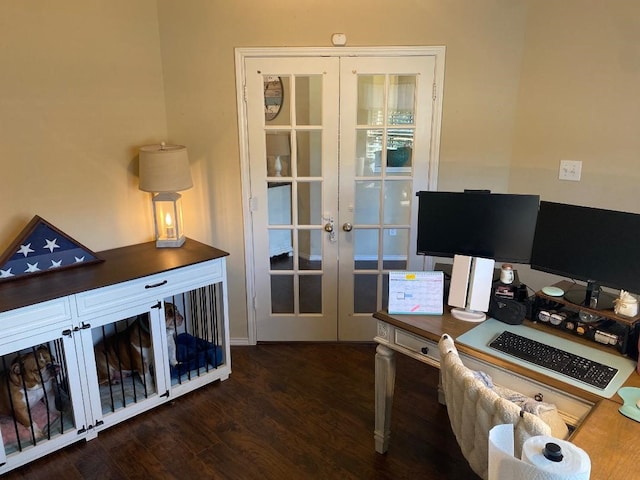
point(347, 227)
point(328, 227)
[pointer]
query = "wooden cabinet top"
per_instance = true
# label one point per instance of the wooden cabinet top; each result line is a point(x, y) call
point(119, 265)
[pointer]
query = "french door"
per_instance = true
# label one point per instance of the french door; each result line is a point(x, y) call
point(336, 148)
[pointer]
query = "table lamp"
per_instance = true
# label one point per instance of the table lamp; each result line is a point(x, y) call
point(164, 171)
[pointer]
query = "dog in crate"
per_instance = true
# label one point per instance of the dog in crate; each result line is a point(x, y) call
point(129, 351)
point(28, 380)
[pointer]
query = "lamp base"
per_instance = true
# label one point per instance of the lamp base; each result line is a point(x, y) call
point(164, 243)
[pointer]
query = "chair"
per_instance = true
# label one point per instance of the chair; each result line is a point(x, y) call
point(475, 405)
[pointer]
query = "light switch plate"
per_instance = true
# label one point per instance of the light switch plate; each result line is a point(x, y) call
point(570, 170)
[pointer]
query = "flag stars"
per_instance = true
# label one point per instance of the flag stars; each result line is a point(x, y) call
point(55, 264)
point(6, 273)
point(25, 249)
point(51, 244)
point(32, 267)
point(79, 259)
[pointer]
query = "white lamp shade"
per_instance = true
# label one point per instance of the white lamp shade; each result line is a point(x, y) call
point(164, 168)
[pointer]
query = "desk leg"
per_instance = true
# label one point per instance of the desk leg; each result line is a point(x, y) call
point(385, 382)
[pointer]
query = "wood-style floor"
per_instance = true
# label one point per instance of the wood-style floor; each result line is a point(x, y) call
point(288, 411)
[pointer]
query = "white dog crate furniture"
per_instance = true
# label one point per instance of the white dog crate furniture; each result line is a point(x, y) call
point(114, 339)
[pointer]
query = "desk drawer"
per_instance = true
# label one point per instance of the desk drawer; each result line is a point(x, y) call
point(573, 409)
point(417, 344)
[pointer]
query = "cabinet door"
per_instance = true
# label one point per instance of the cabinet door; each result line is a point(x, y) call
point(41, 404)
point(197, 337)
point(124, 363)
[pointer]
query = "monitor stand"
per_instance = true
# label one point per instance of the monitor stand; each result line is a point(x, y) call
point(583, 296)
point(468, 315)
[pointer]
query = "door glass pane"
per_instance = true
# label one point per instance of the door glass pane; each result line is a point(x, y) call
point(309, 203)
point(277, 95)
point(367, 204)
point(309, 100)
point(310, 249)
point(395, 248)
point(397, 202)
point(278, 148)
point(399, 151)
point(309, 153)
point(281, 293)
point(365, 249)
point(401, 106)
point(280, 249)
point(365, 289)
point(310, 294)
point(368, 148)
point(279, 203)
point(371, 99)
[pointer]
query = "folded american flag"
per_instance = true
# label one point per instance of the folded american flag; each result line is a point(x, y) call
point(41, 247)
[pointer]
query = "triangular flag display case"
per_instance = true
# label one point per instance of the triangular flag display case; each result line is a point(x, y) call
point(41, 248)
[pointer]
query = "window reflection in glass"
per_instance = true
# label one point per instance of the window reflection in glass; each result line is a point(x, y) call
point(401, 105)
point(371, 99)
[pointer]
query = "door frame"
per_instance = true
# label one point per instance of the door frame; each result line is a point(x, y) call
point(243, 53)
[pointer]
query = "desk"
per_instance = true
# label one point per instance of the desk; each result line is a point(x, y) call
point(606, 435)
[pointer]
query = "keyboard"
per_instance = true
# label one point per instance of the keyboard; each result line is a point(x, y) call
point(574, 366)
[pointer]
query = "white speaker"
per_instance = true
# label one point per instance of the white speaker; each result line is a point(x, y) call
point(459, 281)
point(470, 290)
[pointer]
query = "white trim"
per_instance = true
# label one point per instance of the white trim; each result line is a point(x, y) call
point(241, 54)
point(246, 194)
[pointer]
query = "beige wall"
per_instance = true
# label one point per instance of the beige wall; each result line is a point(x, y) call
point(84, 84)
point(579, 100)
point(80, 89)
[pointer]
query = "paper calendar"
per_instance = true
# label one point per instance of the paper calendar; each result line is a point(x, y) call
point(416, 293)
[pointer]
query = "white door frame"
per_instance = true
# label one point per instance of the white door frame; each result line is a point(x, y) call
point(241, 54)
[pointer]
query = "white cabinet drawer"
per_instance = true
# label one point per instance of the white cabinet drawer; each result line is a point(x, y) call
point(124, 295)
point(417, 344)
point(35, 319)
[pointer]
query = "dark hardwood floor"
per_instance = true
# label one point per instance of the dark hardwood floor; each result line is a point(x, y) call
point(288, 411)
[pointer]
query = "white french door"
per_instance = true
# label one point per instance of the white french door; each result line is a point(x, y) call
point(336, 148)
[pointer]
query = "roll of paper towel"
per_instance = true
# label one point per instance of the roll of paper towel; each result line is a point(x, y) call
point(563, 460)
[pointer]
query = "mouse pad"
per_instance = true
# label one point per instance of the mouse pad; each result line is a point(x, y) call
point(630, 395)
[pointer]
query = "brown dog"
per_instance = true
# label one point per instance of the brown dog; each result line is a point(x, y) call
point(28, 381)
point(129, 351)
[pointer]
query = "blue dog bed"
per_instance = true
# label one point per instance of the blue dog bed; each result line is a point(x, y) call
point(194, 353)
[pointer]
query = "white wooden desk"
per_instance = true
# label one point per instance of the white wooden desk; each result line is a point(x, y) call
point(594, 417)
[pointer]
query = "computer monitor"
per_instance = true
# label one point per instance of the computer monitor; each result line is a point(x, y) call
point(499, 226)
point(600, 247)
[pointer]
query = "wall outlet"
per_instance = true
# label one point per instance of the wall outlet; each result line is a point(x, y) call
point(570, 170)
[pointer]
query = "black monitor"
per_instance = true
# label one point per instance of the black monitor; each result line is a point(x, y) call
point(597, 246)
point(499, 226)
